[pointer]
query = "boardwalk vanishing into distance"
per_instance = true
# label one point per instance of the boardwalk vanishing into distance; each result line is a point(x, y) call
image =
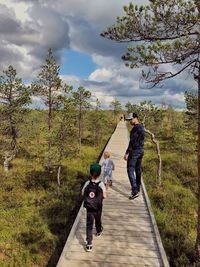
point(130, 237)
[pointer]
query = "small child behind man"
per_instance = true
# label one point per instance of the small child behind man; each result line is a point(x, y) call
point(93, 191)
point(108, 167)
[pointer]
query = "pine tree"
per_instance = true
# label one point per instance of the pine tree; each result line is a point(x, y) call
point(49, 88)
point(116, 107)
point(95, 123)
point(167, 32)
point(81, 98)
point(65, 142)
point(14, 97)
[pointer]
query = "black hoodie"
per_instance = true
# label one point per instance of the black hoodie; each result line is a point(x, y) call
point(136, 139)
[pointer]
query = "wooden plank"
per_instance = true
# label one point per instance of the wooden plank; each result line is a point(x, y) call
point(87, 263)
point(107, 212)
point(122, 212)
point(114, 220)
point(125, 206)
point(98, 257)
point(120, 227)
point(140, 252)
point(128, 239)
point(124, 217)
point(116, 244)
point(119, 232)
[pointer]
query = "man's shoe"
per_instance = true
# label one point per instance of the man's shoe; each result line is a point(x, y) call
point(134, 195)
point(100, 233)
point(88, 248)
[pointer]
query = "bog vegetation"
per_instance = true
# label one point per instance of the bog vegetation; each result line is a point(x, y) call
point(45, 156)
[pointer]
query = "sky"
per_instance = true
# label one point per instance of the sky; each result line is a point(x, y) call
point(72, 29)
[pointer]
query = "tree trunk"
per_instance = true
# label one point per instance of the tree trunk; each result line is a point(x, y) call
point(198, 5)
point(58, 175)
point(14, 139)
point(158, 153)
point(13, 133)
point(198, 169)
point(50, 111)
point(49, 128)
point(80, 126)
point(9, 156)
point(159, 168)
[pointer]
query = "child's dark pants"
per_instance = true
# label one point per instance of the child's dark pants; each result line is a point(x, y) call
point(91, 216)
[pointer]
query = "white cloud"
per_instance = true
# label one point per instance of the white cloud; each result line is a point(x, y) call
point(101, 75)
point(71, 80)
point(20, 9)
point(25, 39)
point(104, 61)
point(176, 97)
point(28, 28)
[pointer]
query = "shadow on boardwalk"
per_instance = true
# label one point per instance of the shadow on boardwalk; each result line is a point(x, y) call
point(120, 188)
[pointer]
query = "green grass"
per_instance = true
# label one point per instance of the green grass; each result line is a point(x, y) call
point(174, 203)
point(37, 214)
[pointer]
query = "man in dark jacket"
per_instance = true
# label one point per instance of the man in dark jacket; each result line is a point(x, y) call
point(134, 154)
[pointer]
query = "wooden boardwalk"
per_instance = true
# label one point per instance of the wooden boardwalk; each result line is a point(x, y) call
point(130, 237)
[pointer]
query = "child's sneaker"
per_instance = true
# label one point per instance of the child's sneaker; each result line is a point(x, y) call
point(88, 247)
point(100, 233)
point(134, 195)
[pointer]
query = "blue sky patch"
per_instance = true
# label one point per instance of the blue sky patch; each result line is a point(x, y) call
point(77, 63)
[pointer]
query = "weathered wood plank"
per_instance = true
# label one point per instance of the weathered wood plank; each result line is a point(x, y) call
point(122, 232)
point(120, 227)
point(128, 239)
point(98, 257)
point(87, 263)
point(140, 252)
point(116, 244)
point(115, 220)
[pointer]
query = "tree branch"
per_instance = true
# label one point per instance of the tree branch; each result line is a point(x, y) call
point(147, 39)
point(158, 154)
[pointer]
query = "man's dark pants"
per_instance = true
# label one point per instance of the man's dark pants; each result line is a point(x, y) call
point(91, 216)
point(134, 167)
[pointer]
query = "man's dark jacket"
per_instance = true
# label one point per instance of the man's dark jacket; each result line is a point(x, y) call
point(136, 139)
